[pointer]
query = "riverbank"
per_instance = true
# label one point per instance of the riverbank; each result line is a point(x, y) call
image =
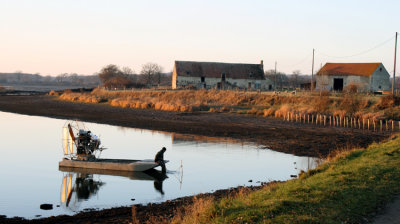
point(349, 188)
point(293, 138)
point(244, 127)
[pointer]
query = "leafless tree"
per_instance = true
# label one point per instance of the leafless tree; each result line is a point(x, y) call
point(112, 77)
point(151, 72)
point(294, 79)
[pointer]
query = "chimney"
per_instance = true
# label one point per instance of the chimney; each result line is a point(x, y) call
point(262, 62)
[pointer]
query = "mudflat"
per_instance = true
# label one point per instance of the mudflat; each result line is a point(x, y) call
point(294, 138)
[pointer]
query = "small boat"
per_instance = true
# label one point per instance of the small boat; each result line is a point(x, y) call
point(110, 164)
point(80, 152)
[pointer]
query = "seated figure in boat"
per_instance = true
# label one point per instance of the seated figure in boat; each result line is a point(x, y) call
point(160, 159)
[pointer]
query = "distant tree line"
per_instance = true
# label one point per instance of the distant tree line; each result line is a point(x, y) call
point(151, 75)
point(19, 77)
point(296, 80)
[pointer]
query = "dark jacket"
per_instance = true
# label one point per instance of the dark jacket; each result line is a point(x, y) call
point(159, 156)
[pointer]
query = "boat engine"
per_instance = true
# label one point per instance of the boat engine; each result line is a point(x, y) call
point(87, 143)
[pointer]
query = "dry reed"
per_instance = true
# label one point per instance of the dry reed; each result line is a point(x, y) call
point(264, 104)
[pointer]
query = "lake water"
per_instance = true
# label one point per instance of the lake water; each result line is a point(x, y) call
point(31, 147)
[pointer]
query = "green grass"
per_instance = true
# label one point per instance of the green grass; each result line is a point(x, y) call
point(345, 189)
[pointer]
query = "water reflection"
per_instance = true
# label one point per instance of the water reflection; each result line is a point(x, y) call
point(209, 164)
point(80, 184)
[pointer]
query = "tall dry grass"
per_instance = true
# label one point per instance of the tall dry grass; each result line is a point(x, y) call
point(201, 209)
point(261, 104)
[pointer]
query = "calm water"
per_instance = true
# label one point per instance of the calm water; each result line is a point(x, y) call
point(31, 148)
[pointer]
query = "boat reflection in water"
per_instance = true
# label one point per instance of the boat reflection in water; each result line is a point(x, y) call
point(79, 184)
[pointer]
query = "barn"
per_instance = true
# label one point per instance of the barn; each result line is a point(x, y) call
point(366, 77)
point(215, 75)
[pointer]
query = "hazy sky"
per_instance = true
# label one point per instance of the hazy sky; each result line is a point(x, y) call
point(82, 36)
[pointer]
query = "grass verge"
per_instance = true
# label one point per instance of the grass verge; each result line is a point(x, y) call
point(347, 188)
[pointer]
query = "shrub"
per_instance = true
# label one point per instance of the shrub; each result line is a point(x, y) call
point(351, 88)
point(269, 112)
point(388, 102)
point(51, 93)
point(321, 104)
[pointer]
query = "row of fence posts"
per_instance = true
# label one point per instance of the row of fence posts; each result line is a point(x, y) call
point(346, 122)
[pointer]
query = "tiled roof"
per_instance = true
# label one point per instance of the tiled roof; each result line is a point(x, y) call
point(360, 69)
point(215, 70)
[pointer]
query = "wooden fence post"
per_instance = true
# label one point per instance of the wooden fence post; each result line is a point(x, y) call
point(330, 121)
point(368, 124)
point(380, 124)
point(363, 123)
point(359, 124)
point(324, 120)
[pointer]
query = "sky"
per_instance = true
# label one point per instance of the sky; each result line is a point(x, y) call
point(51, 37)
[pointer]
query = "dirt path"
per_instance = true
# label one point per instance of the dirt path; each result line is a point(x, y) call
point(391, 214)
point(298, 139)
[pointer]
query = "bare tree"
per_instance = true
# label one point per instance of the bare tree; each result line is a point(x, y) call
point(127, 71)
point(150, 73)
point(294, 79)
point(112, 77)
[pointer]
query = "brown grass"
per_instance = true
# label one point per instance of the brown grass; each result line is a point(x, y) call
point(200, 209)
point(262, 104)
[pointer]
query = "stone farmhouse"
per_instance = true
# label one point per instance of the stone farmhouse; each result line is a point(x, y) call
point(367, 77)
point(214, 75)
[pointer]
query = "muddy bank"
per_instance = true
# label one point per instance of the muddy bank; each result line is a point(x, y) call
point(298, 139)
point(156, 212)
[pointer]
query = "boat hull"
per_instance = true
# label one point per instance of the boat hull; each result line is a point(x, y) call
point(110, 164)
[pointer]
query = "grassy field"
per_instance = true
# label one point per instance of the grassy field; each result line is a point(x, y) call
point(346, 188)
point(361, 106)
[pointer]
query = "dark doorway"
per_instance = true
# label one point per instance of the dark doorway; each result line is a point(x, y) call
point(203, 79)
point(249, 86)
point(338, 84)
point(223, 77)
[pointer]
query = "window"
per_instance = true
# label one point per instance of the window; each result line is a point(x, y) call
point(187, 72)
point(223, 76)
point(380, 69)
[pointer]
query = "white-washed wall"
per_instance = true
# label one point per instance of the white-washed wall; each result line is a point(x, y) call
point(380, 79)
point(213, 82)
point(325, 82)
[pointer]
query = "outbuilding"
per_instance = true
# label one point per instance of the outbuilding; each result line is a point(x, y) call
point(366, 77)
point(209, 75)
